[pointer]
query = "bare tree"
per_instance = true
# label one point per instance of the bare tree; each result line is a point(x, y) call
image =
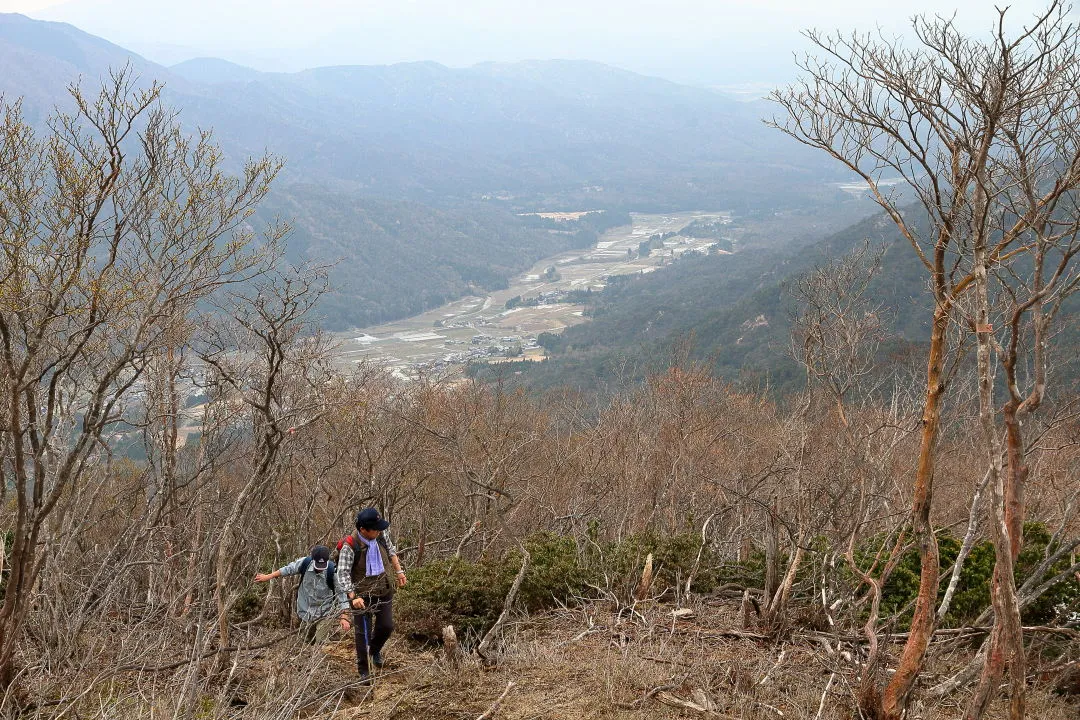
point(971, 127)
point(265, 351)
point(836, 328)
point(836, 333)
point(114, 226)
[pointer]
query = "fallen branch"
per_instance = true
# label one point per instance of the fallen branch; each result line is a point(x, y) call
point(675, 701)
point(768, 675)
point(664, 661)
point(582, 634)
point(484, 649)
point(641, 700)
point(335, 690)
point(824, 694)
point(716, 635)
point(776, 710)
point(490, 713)
point(208, 653)
point(950, 633)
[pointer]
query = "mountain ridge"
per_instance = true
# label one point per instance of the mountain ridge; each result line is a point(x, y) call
point(214, 70)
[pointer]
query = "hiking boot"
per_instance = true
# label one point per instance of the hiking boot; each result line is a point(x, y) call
point(376, 660)
point(365, 677)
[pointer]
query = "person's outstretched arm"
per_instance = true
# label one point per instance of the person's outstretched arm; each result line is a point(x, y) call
point(290, 569)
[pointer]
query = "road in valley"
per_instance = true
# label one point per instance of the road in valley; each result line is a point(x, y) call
point(483, 329)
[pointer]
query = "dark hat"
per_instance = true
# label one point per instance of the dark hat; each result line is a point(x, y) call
point(370, 519)
point(320, 557)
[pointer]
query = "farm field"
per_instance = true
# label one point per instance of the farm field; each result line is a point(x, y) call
point(483, 328)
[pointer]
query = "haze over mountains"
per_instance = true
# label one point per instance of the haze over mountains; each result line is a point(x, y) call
point(429, 165)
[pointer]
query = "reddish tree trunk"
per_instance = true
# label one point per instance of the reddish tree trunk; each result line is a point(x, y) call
point(895, 698)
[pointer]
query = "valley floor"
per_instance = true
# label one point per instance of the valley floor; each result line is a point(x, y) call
point(483, 329)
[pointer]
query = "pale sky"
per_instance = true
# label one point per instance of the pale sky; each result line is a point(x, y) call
point(695, 41)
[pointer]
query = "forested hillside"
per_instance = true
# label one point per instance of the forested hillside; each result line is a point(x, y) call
point(733, 313)
point(729, 311)
point(400, 258)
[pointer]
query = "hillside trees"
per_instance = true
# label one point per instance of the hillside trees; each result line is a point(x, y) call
point(114, 227)
point(837, 329)
point(984, 134)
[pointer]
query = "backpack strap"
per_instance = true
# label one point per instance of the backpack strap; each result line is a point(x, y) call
point(303, 569)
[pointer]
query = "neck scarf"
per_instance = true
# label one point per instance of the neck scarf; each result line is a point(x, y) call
point(374, 556)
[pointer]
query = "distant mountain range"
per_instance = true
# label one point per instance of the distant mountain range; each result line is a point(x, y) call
point(435, 143)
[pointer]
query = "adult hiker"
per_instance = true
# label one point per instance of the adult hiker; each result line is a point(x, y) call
point(366, 560)
point(317, 598)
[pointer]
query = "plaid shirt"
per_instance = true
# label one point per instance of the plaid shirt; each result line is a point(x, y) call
point(343, 580)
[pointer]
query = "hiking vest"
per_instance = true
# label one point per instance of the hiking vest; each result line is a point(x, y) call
point(364, 586)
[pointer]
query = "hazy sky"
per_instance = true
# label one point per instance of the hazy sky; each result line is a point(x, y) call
point(699, 41)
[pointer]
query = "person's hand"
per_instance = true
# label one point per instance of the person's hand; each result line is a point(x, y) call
point(344, 622)
point(402, 581)
point(357, 603)
point(263, 577)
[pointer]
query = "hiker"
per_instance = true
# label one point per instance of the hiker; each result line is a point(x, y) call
point(316, 597)
point(365, 560)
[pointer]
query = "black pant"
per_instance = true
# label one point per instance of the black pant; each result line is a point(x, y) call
point(372, 627)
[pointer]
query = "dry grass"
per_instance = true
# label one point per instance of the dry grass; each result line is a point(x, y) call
point(595, 663)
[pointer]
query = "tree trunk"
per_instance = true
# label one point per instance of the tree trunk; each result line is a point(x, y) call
point(924, 621)
point(772, 556)
point(775, 615)
point(1015, 479)
point(1006, 640)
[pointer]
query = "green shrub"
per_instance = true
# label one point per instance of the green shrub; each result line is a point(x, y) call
point(465, 594)
point(973, 590)
point(972, 595)
point(247, 606)
point(470, 595)
point(1037, 544)
point(675, 557)
point(556, 573)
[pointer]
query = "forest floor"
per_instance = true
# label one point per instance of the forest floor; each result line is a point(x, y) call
point(596, 662)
